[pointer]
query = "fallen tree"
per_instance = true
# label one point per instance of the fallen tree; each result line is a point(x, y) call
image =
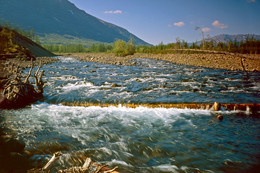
point(17, 90)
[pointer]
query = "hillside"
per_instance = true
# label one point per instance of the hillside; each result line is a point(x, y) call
point(16, 44)
point(63, 18)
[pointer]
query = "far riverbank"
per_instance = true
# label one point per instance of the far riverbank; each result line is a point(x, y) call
point(234, 62)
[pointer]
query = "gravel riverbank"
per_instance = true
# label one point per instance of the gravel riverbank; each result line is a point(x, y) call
point(235, 62)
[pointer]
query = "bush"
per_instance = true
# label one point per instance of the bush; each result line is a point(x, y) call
point(121, 48)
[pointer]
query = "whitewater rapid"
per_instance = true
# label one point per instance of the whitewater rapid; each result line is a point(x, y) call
point(141, 139)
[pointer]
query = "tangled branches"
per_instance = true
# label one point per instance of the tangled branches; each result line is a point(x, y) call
point(88, 167)
point(18, 92)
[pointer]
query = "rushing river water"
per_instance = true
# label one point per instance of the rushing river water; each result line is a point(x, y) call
point(141, 139)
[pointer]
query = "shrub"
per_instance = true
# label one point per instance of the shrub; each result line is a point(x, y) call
point(121, 48)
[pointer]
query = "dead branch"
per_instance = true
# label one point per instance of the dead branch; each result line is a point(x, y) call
point(55, 157)
point(99, 168)
point(38, 79)
point(86, 164)
point(112, 170)
point(29, 74)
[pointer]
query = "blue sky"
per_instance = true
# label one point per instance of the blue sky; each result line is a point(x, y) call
point(157, 21)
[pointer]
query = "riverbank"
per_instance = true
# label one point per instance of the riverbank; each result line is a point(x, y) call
point(234, 62)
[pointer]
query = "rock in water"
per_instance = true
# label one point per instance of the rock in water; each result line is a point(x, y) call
point(216, 106)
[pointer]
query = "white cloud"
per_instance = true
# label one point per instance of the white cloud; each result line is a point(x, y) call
point(206, 29)
point(217, 24)
point(114, 12)
point(179, 24)
point(251, 0)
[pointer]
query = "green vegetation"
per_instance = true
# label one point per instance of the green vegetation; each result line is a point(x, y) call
point(121, 48)
point(9, 46)
point(70, 44)
point(78, 48)
point(249, 46)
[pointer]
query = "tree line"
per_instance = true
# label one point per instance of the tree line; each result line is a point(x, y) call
point(119, 48)
point(122, 48)
point(249, 46)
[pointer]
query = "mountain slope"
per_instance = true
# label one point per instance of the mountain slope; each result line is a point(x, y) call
point(63, 18)
point(14, 43)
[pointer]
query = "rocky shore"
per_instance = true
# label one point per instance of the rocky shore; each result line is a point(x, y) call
point(228, 61)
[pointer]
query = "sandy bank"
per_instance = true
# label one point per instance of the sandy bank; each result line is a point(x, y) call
point(210, 60)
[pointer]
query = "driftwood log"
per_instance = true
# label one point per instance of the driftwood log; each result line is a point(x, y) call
point(18, 91)
point(88, 167)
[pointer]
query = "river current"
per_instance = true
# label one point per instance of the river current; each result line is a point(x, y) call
point(141, 139)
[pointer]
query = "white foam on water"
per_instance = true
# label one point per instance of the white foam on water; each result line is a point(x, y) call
point(65, 78)
point(68, 59)
point(75, 86)
point(119, 162)
point(74, 121)
point(234, 90)
point(166, 168)
point(256, 87)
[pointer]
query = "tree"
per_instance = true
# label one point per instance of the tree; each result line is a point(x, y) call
point(101, 47)
point(130, 47)
point(202, 32)
point(120, 48)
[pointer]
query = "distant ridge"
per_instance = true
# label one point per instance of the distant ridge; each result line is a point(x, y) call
point(63, 18)
point(226, 37)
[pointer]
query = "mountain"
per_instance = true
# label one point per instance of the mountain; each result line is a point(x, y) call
point(226, 38)
point(63, 18)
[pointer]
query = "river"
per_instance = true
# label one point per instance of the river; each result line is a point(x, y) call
point(141, 139)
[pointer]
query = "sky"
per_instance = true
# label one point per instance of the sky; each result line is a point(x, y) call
point(156, 21)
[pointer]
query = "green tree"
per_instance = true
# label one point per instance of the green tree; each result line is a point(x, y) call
point(130, 47)
point(119, 48)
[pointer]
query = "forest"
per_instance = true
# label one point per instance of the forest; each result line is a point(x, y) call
point(122, 48)
point(119, 47)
